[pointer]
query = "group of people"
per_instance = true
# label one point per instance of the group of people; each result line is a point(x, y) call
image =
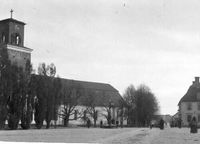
point(193, 125)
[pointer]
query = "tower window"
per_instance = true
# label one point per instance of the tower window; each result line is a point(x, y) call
point(15, 39)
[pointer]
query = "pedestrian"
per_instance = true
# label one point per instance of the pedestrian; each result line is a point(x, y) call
point(193, 125)
point(117, 123)
point(101, 124)
point(161, 124)
point(151, 125)
point(179, 123)
point(88, 123)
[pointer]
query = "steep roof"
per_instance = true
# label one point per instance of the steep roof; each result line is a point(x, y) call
point(101, 92)
point(89, 85)
point(193, 93)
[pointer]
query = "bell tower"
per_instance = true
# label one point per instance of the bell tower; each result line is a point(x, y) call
point(12, 38)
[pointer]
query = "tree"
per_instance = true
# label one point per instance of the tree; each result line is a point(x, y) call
point(15, 99)
point(90, 103)
point(107, 107)
point(14, 92)
point(141, 105)
point(27, 97)
point(146, 105)
point(130, 99)
point(46, 103)
point(5, 85)
point(70, 96)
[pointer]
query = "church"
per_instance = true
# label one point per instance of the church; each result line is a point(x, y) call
point(189, 104)
point(12, 38)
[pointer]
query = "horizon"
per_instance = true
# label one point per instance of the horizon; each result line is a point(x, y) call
point(119, 42)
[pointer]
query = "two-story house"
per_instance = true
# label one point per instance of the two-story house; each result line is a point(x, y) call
point(189, 105)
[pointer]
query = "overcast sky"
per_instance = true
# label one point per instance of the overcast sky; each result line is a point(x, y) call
point(120, 42)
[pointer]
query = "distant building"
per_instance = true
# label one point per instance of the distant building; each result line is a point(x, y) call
point(189, 105)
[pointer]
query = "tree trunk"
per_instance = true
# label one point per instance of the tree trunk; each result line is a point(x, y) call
point(2, 124)
point(48, 124)
point(95, 122)
point(66, 121)
point(13, 122)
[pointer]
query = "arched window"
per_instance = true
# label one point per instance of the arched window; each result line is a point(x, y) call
point(15, 39)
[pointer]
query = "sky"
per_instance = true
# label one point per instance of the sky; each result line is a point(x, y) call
point(120, 42)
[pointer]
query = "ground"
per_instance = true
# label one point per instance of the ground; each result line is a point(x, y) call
point(97, 135)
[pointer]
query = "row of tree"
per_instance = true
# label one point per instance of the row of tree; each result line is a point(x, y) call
point(23, 93)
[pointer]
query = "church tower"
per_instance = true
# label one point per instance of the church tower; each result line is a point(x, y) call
point(12, 38)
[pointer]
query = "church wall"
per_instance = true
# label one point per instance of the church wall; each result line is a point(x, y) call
point(19, 58)
point(101, 113)
point(16, 28)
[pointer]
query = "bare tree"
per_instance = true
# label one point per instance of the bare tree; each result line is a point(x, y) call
point(91, 105)
point(47, 94)
point(130, 99)
point(70, 96)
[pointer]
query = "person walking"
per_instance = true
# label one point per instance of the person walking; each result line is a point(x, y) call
point(193, 125)
point(88, 123)
point(161, 124)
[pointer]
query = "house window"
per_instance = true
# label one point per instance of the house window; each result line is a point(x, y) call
point(189, 118)
point(189, 106)
point(198, 117)
point(198, 96)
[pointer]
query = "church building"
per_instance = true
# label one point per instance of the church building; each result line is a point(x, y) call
point(12, 38)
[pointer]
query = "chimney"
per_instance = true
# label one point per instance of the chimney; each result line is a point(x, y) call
point(196, 80)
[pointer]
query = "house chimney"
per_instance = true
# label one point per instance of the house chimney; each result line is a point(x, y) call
point(197, 80)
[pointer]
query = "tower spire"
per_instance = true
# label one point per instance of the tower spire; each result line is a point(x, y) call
point(11, 13)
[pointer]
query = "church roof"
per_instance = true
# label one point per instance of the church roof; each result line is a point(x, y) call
point(12, 20)
point(193, 93)
point(102, 93)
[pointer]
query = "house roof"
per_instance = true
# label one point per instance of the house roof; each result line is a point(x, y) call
point(191, 95)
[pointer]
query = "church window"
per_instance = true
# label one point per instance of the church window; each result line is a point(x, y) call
point(17, 40)
point(189, 106)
